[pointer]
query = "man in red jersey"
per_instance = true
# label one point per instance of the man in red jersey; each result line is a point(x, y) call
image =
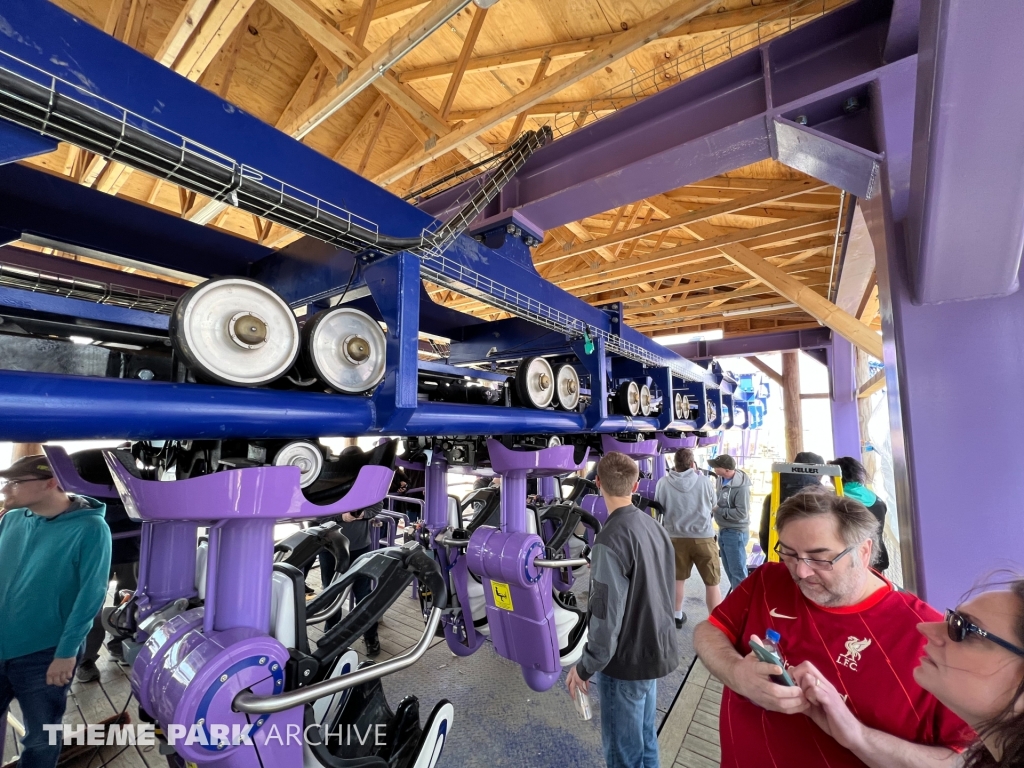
point(849, 641)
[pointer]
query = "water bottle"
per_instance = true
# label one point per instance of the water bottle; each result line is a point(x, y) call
point(771, 643)
point(582, 702)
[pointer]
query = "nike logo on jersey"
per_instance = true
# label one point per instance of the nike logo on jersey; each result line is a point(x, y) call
point(775, 614)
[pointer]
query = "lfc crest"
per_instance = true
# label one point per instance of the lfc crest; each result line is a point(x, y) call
point(854, 649)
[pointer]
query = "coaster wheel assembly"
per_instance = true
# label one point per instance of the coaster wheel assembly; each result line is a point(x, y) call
point(234, 331)
point(345, 349)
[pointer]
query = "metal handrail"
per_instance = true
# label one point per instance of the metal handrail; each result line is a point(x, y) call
point(572, 562)
point(249, 702)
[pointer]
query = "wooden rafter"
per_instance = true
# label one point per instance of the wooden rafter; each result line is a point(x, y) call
point(780, 192)
point(817, 306)
point(649, 29)
point(460, 65)
point(520, 121)
point(335, 47)
point(766, 369)
point(714, 22)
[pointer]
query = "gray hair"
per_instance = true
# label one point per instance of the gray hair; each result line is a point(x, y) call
point(853, 520)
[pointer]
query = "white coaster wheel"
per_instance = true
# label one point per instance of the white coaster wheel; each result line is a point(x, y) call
point(567, 387)
point(681, 406)
point(345, 349)
point(304, 455)
point(627, 399)
point(235, 331)
point(645, 401)
point(535, 382)
point(712, 411)
point(554, 441)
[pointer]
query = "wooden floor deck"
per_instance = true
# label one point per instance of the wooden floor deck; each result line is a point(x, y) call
point(689, 737)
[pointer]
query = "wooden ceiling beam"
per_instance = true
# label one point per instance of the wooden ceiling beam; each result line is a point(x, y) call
point(712, 22)
point(764, 368)
point(181, 30)
point(380, 11)
point(778, 192)
point(366, 69)
point(475, 25)
point(363, 22)
point(337, 50)
point(641, 324)
point(642, 33)
point(371, 114)
point(817, 306)
point(520, 121)
point(804, 226)
point(374, 136)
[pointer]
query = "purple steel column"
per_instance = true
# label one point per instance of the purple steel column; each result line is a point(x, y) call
point(843, 400)
point(171, 567)
point(245, 563)
point(436, 493)
point(513, 501)
point(960, 523)
point(547, 489)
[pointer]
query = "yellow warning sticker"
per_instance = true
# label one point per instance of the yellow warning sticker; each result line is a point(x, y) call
point(502, 595)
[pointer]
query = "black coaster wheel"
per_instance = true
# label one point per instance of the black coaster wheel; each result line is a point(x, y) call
point(627, 399)
point(235, 331)
point(344, 348)
point(535, 382)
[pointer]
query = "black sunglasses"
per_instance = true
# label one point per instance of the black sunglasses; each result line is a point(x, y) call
point(959, 628)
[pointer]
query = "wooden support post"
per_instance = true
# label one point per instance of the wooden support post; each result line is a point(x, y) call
point(792, 405)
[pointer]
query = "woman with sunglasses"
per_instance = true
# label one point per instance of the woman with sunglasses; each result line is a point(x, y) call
point(974, 664)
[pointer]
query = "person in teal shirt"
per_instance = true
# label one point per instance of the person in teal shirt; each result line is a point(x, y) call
point(54, 563)
point(854, 479)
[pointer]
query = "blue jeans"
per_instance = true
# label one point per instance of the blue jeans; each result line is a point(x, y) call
point(628, 708)
point(24, 679)
point(732, 542)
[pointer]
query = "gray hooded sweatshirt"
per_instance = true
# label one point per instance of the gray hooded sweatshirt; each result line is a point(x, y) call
point(732, 507)
point(687, 498)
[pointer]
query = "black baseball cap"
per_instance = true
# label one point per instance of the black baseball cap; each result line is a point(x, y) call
point(725, 461)
point(28, 468)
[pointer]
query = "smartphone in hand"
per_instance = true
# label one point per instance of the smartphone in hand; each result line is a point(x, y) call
point(771, 658)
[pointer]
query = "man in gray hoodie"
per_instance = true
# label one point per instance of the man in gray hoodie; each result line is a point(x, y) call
point(732, 513)
point(687, 496)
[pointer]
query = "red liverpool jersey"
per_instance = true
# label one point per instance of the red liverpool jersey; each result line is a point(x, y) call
point(867, 651)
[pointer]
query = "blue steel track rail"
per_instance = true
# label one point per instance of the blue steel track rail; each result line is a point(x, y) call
point(78, 63)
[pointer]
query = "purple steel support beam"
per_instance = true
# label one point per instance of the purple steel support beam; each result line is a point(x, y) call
point(740, 346)
point(784, 99)
point(843, 398)
point(953, 527)
point(968, 152)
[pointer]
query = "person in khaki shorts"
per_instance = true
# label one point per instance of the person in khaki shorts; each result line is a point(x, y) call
point(687, 497)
